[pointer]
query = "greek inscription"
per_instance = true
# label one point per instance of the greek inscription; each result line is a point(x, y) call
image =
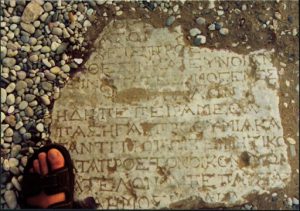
point(152, 121)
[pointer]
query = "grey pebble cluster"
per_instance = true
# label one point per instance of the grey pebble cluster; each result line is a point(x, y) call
point(35, 36)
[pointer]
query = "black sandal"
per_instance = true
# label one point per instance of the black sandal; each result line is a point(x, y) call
point(60, 180)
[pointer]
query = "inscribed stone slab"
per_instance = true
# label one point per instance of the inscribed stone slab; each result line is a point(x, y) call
point(154, 121)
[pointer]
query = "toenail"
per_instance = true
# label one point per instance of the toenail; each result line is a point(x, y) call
point(53, 154)
point(42, 155)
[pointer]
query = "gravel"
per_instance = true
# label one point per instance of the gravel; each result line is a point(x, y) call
point(170, 20)
point(28, 27)
point(212, 27)
point(48, 6)
point(201, 21)
point(10, 100)
point(40, 127)
point(3, 95)
point(194, 32)
point(224, 31)
point(9, 62)
point(20, 85)
point(10, 199)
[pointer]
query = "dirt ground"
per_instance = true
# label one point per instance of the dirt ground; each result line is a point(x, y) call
point(245, 27)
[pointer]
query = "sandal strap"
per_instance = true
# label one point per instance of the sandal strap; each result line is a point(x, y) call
point(55, 182)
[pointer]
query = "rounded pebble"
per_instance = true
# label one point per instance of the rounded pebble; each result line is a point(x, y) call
point(48, 7)
point(40, 127)
point(194, 32)
point(3, 93)
point(170, 20)
point(10, 199)
point(224, 31)
point(291, 140)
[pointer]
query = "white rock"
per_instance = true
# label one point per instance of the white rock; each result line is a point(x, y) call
point(295, 201)
point(12, 3)
point(291, 140)
point(194, 32)
point(175, 8)
point(10, 99)
point(10, 88)
point(287, 83)
point(203, 38)
point(40, 127)
point(19, 125)
point(248, 206)
point(6, 165)
point(211, 4)
point(290, 202)
point(278, 16)
point(10, 199)
point(2, 116)
point(212, 27)
point(78, 60)
point(118, 13)
point(87, 23)
point(224, 31)
point(200, 21)
point(3, 95)
point(220, 12)
point(282, 64)
point(295, 32)
point(16, 184)
point(54, 46)
point(244, 7)
point(13, 162)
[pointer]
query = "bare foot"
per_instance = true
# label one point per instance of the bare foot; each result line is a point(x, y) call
point(40, 166)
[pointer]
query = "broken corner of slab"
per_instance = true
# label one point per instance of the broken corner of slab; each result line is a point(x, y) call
point(152, 122)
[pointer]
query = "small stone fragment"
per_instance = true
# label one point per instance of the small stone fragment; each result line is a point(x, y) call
point(21, 85)
point(55, 70)
point(200, 21)
point(10, 199)
point(278, 15)
point(40, 127)
point(45, 99)
point(212, 27)
point(23, 105)
point(48, 6)
point(10, 88)
point(3, 94)
point(9, 62)
point(291, 140)
point(224, 31)
point(194, 32)
point(31, 12)
point(28, 27)
point(170, 20)
point(13, 162)
point(16, 184)
point(47, 86)
point(3, 116)
point(10, 100)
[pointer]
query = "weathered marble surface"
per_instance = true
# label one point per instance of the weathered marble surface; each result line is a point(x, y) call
point(154, 121)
